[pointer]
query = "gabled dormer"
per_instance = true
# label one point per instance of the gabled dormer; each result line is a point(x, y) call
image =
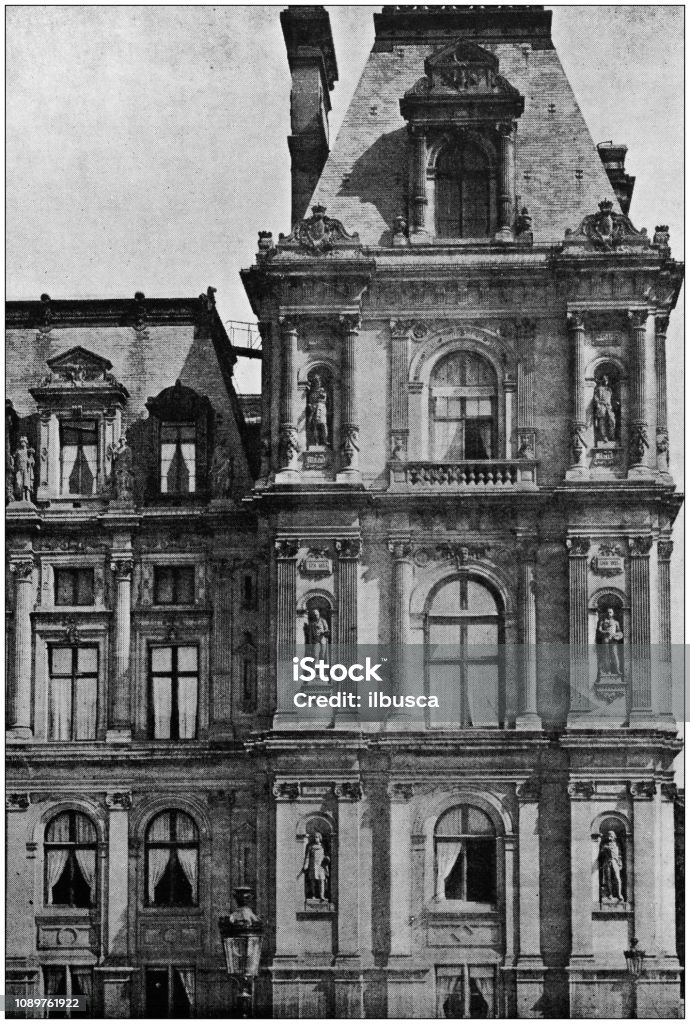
point(80, 405)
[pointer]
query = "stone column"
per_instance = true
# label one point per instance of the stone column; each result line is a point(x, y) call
point(399, 403)
point(641, 705)
point(346, 580)
point(400, 794)
point(526, 431)
point(401, 551)
point(507, 182)
point(578, 425)
point(639, 428)
point(528, 717)
point(266, 398)
point(509, 389)
point(120, 724)
point(118, 805)
point(19, 711)
point(286, 627)
point(349, 426)
point(578, 550)
point(286, 867)
point(289, 445)
point(662, 440)
point(418, 165)
point(665, 652)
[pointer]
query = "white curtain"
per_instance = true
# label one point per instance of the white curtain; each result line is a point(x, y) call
point(162, 707)
point(86, 859)
point(54, 981)
point(486, 987)
point(85, 727)
point(82, 984)
point(189, 859)
point(60, 712)
point(186, 976)
point(158, 862)
point(450, 994)
point(447, 854)
point(485, 431)
point(186, 708)
point(55, 865)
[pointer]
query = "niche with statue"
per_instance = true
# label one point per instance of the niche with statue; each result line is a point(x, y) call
point(319, 418)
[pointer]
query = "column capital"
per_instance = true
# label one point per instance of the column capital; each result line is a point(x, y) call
point(584, 790)
point(639, 547)
point(401, 328)
point(661, 321)
point(527, 548)
point(506, 128)
point(289, 324)
point(400, 792)
point(577, 319)
point(578, 547)
point(286, 791)
point(665, 550)
point(643, 790)
point(22, 568)
point(17, 801)
point(350, 322)
point(122, 567)
point(121, 801)
point(286, 549)
point(400, 548)
point(638, 318)
point(347, 790)
point(349, 548)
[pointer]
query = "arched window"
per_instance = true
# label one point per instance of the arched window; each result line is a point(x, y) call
point(462, 413)
point(172, 861)
point(463, 634)
point(70, 861)
point(463, 192)
point(465, 856)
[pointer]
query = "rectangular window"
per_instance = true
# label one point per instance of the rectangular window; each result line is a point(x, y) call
point(78, 456)
point(74, 586)
point(69, 981)
point(466, 991)
point(173, 692)
point(170, 991)
point(73, 692)
point(178, 458)
point(463, 428)
point(173, 584)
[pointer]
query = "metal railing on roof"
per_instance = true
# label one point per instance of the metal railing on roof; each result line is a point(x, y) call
point(244, 338)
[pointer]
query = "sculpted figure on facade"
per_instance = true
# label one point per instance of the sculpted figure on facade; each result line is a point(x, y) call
point(221, 472)
point(608, 638)
point(603, 412)
point(24, 461)
point(316, 870)
point(317, 413)
point(611, 868)
point(316, 634)
point(123, 478)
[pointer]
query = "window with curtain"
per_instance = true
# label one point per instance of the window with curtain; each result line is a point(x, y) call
point(74, 586)
point(173, 584)
point(466, 991)
point(462, 409)
point(463, 192)
point(463, 654)
point(173, 692)
point(69, 980)
point(78, 456)
point(72, 692)
point(465, 855)
point(172, 861)
point(170, 991)
point(178, 458)
point(70, 849)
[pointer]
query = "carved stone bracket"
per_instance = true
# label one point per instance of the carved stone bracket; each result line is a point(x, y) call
point(17, 801)
point(581, 790)
point(348, 790)
point(71, 629)
point(639, 547)
point(118, 801)
point(286, 549)
point(286, 790)
point(669, 791)
point(644, 790)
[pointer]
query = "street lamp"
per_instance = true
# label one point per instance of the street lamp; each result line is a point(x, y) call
point(633, 961)
point(242, 933)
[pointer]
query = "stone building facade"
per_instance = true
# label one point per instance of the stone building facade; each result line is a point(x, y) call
point(463, 457)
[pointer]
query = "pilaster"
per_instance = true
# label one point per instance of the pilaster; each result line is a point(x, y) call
point(399, 795)
point(641, 702)
point(662, 438)
point(578, 425)
point(288, 442)
point(19, 710)
point(418, 183)
point(401, 551)
point(349, 441)
point(530, 966)
point(400, 342)
point(507, 178)
point(639, 426)
point(118, 805)
point(528, 717)
point(665, 663)
point(286, 551)
point(578, 551)
point(120, 725)
point(347, 573)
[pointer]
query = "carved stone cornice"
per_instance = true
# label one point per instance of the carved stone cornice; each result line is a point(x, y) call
point(665, 550)
point(639, 547)
point(351, 548)
point(581, 790)
point(121, 801)
point(578, 547)
point(286, 549)
point(17, 801)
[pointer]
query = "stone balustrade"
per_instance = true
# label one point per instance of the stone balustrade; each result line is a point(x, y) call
point(489, 475)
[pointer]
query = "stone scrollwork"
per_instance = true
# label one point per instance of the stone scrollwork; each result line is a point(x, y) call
point(665, 550)
point(401, 791)
point(349, 548)
point(22, 568)
point(319, 234)
point(348, 790)
point(607, 229)
point(122, 567)
point(643, 790)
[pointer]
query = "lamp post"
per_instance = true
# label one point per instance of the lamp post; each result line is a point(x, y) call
point(633, 962)
point(242, 934)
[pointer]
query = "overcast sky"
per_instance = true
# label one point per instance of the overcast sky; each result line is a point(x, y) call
point(146, 146)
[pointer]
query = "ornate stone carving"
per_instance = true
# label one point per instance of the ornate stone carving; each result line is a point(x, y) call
point(351, 547)
point(581, 790)
point(523, 226)
point(609, 561)
point(644, 790)
point(578, 445)
point(348, 790)
point(286, 548)
point(316, 564)
point(317, 413)
point(221, 472)
point(607, 229)
point(578, 547)
point(669, 790)
point(527, 446)
point(118, 801)
point(639, 546)
point(639, 441)
point(400, 790)
point(286, 790)
point(23, 464)
point(289, 445)
point(401, 328)
point(22, 568)
point(661, 238)
point(71, 630)
point(665, 550)
point(17, 801)
point(662, 444)
point(319, 234)
point(122, 476)
point(122, 568)
point(350, 444)
point(460, 553)
point(610, 869)
point(400, 549)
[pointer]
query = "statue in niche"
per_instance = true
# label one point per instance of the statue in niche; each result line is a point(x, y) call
point(316, 634)
point(221, 472)
point(608, 639)
point(603, 412)
point(317, 413)
point(24, 462)
point(316, 870)
point(611, 868)
point(123, 478)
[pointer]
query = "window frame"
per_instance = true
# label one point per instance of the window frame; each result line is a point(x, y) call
point(460, 177)
point(169, 969)
point(175, 675)
point(71, 846)
point(178, 427)
point(73, 423)
point(52, 646)
point(467, 837)
point(75, 571)
point(68, 1012)
point(172, 845)
point(174, 569)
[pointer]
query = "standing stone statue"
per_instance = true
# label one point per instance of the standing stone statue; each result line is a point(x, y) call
point(603, 414)
point(123, 478)
point(221, 472)
point(608, 637)
point(317, 413)
point(611, 868)
point(24, 462)
point(316, 634)
point(316, 869)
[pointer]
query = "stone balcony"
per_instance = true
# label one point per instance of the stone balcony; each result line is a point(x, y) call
point(484, 476)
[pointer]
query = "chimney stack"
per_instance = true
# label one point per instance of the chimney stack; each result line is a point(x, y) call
point(311, 56)
point(613, 159)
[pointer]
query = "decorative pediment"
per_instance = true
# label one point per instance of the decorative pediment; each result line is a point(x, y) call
point(461, 83)
point(319, 234)
point(78, 368)
point(607, 230)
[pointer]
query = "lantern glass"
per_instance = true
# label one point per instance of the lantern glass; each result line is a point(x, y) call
point(633, 961)
point(243, 954)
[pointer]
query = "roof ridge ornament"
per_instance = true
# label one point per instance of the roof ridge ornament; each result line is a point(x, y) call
point(319, 234)
point(607, 230)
